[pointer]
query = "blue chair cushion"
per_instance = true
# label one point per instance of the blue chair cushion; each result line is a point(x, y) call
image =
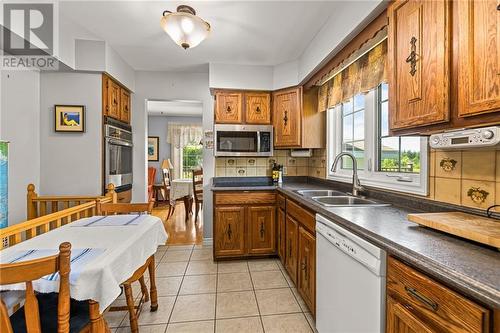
point(47, 305)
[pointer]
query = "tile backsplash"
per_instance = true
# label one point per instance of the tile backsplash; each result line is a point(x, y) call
point(468, 177)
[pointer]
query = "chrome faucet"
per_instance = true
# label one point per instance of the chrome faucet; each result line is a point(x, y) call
point(356, 185)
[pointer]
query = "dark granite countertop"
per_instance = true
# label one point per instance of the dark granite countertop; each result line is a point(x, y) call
point(466, 266)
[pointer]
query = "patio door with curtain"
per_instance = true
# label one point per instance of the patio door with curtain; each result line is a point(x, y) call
point(185, 147)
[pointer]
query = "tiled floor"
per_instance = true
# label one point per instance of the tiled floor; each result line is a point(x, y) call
point(199, 295)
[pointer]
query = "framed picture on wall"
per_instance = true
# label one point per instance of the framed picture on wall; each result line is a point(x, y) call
point(69, 118)
point(153, 149)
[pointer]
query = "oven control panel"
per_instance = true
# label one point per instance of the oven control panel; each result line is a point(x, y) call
point(466, 138)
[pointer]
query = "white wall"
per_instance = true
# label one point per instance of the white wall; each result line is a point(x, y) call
point(19, 124)
point(171, 86)
point(157, 126)
point(241, 76)
point(70, 163)
point(342, 26)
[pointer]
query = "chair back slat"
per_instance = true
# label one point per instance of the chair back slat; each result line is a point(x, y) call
point(4, 318)
point(31, 310)
point(197, 182)
point(26, 272)
point(125, 208)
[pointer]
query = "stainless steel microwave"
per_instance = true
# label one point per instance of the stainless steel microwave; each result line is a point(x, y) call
point(243, 140)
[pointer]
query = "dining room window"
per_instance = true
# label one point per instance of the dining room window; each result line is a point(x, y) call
point(192, 155)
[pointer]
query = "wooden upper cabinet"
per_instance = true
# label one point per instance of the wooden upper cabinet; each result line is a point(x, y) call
point(419, 62)
point(113, 99)
point(306, 282)
point(258, 108)
point(478, 57)
point(229, 231)
point(228, 107)
point(124, 105)
point(261, 229)
point(287, 107)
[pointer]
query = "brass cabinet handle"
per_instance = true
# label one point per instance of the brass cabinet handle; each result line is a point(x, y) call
point(498, 7)
point(257, 110)
point(285, 118)
point(419, 297)
point(261, 229)
point(290, 249)
point(228, 109)
point(412, 58)
point(229, 232)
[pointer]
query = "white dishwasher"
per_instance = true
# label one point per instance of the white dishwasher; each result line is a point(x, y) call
point(350, 281)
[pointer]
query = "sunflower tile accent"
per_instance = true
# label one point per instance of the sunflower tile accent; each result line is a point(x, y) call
point(478, 194)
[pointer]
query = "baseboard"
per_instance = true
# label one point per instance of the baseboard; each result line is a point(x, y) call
point(208, 241)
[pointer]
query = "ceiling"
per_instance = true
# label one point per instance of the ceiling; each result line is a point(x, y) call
point(184, 108)
point(243, 32)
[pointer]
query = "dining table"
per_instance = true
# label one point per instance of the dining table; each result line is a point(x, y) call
point(182, 188)
point(105, 252)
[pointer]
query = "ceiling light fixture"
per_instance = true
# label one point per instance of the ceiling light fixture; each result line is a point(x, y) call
point(184, 27)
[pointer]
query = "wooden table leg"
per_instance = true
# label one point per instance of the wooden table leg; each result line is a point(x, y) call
point(152, 284)
point(188, 205)
point(97, 322)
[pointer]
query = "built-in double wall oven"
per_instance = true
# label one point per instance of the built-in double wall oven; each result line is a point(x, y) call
point(118, 155)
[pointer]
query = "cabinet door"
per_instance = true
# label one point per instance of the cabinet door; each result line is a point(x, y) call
point(124, 105)
point(478, 57)
point(281, 235)
point(113, 99)
point(287, 117)
point(105, 99)
point(307, 268)
point(258, 108)
point(261, 230)
point(292, 229)
point(401, 319)
point(418, 56)
point(228, 107)
point(229, 231)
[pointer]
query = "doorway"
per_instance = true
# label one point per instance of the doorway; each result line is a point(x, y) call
point(175, 158)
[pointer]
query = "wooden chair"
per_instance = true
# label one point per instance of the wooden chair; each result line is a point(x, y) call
point(197, 191)
point(133, 309)
point(151, 181)
point(44, 312)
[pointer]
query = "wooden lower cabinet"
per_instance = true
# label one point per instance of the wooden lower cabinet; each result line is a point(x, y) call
point(306, 282)
point(417, 303)
point(229, 231)
point(281, 217)
point(291, 261)
point(261, 229)
point(244, 224)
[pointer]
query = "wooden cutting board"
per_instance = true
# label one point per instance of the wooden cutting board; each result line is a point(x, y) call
point(480, 229)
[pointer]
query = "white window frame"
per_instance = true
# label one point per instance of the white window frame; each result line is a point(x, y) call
point(399, 181)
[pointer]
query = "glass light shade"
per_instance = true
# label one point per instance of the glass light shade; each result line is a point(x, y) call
point(185, 29)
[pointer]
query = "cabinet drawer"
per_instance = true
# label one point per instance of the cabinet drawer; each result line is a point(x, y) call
point(281, 201)
point(306, 218)
point(244, 197)
point(444, 307)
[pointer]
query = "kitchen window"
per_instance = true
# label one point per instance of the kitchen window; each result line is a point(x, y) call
point(360, 126)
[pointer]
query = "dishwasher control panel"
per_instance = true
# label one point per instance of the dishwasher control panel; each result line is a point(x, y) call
point(357, 248)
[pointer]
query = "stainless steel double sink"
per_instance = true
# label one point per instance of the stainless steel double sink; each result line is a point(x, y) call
point(331, 198)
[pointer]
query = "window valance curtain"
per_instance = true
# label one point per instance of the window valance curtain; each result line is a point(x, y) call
point(364, 74)
point(180, 135)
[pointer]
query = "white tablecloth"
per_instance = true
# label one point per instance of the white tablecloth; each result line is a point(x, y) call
point(180, 188)
point(122, 250)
